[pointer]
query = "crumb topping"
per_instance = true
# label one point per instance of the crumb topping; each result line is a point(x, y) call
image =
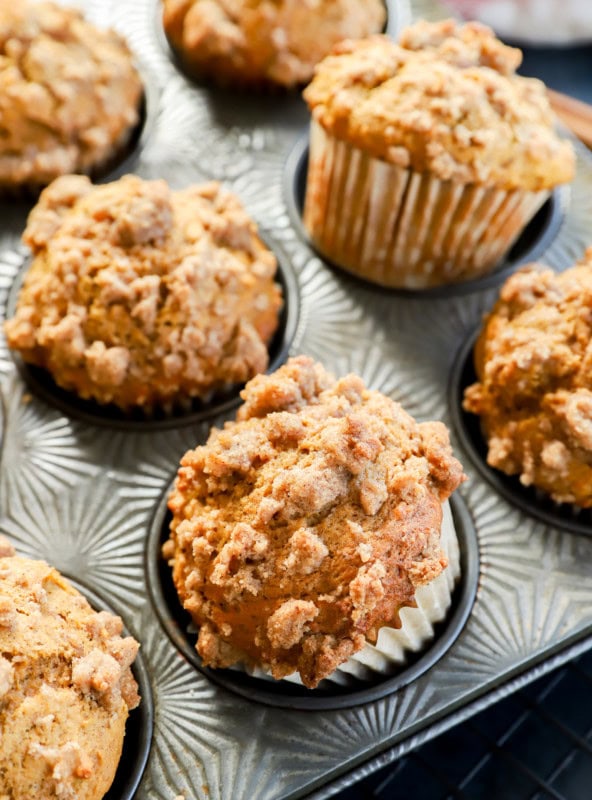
point(69, 93)
point(534, 394)
point(141, 296)
point(445, 99)
point(279, 41)
point(65, 687)
point(303, 527)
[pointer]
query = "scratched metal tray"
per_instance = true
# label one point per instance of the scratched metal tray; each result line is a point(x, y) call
point(83, 490)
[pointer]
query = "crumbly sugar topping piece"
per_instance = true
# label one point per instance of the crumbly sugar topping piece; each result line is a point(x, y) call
point(534, 389)
point(277, 41)
point(65, 687)
point(141, 296)
point(69, 93)
point(303, 527)
point(444, 100)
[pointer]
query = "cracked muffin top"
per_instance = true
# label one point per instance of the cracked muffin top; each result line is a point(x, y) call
point(141, 296)
point(534, 391)
point(264, 41)
point(306, 525)
point(65, 686)
point(69, 93)
point(445, 99)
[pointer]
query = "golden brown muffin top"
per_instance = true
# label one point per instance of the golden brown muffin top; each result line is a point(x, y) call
point(445, 99)
point(141, 296)
point(69, 93)
point(303, 527)
point(534, 395)
point(65, 686)
point(253, 41)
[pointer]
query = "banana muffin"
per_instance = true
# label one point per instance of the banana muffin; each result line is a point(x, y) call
point(69, 95)
point(308, 524)
point(533, 361)
point(428, 157)
point(264, 42)
point(65, 686)
point(144, 297)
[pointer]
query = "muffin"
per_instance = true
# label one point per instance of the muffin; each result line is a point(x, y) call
point(69, 95)
point(143, 297)
point(427, 157)
point(263, 43)
point(65, 686)
point(306, 526)
point(533, 361)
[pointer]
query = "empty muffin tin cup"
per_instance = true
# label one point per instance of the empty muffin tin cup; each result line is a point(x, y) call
point(42, 385)
point(530, 245)
point(283, 693)
point(531, 501)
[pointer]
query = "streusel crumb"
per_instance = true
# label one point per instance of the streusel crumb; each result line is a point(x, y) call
point(141, 296)
point(306, 525)
point(534, 394)
point(65, 687)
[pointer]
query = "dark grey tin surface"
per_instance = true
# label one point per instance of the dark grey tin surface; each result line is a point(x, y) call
point(82, 495)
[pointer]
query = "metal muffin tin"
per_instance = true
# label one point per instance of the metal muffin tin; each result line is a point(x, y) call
point(83, 493)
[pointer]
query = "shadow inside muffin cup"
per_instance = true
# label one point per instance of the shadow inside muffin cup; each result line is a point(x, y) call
point(528, 499)
point(532, 243)
point(140, 723)
point(42, 385)
point(285, 694)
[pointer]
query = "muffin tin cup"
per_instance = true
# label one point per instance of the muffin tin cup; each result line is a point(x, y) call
point(140, 723)
point(345, 216)
point(285, 693)
point(531, 501)
point(218, 402)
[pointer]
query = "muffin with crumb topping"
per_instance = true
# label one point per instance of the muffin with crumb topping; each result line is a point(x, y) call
point(263, 43)
point(70, 95)
point(144, 297)
point(533, 361)
point(66, 687)
point(311, 529)
point(427, 157)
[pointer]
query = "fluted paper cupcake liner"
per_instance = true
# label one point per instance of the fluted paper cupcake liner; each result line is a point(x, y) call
point(400, 228)
point(417, 624)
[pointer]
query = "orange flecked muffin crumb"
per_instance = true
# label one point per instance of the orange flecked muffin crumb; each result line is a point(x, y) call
point(69, 94)
point(141, 296)
point(534, 394)
point(305, 526)
point(65, 686)
point(260, 42)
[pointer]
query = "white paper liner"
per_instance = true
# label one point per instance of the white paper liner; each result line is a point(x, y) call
point(417, 624)
point(401, 228)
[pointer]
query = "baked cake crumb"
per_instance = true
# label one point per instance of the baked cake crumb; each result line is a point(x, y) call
point(306, 525)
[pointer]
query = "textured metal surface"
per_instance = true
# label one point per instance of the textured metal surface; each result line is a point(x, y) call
point(82, 495)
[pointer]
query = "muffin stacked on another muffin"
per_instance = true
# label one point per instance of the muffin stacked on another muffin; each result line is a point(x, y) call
point(65, 686)
point(534, 394)
point(144, 297)
point(303, 528)
point(69, 95)
point(427, 157)
point(264, 43)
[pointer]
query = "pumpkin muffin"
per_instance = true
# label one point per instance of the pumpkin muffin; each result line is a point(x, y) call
point(144, 297)
point(69, 95)
point(533, 361)
point(307, 525)
point(264, 43)
point(427, 157)
point(65, 686)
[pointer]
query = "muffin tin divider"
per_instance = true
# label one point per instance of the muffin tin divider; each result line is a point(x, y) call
point(86, 494)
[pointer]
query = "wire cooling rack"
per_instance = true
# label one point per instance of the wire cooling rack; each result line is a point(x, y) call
point(534, 745)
